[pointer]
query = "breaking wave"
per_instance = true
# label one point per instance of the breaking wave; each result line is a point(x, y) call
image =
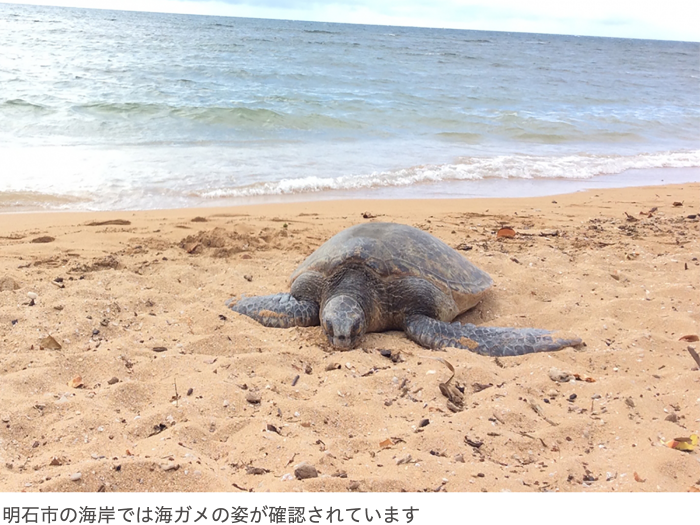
point(470, 168)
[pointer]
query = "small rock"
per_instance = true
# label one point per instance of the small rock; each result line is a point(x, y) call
point(459, 458)
point(192, 247)
point(43, 239)
point(111, 222)
point(169, 466)
point(560, 376)
point(248, 278)
point(75, 477)
point(76, 382)
point(32, 295)
point(305, 470)
point(332, 366)
point(7, 284)
point(253, 398)
point(672, 417)
point(56, 462)
point(49, 343)
point(113, 381)
point(629, 402)
point(354, 485)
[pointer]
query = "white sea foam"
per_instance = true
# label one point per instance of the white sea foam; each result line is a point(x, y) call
point(470, 168)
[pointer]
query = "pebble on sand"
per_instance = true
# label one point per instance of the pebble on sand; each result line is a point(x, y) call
point(305, 470)
point(49, 343)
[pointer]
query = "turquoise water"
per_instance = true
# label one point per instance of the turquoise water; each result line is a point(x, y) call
point(123, 110)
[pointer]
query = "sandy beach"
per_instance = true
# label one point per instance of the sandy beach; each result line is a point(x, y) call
point(123, 370)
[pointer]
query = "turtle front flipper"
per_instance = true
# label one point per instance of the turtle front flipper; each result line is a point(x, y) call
point(281, 310)
point(484, 340)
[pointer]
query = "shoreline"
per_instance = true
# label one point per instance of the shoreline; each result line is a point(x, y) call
point(453, 189)
point(328, 206)
point(617, 267)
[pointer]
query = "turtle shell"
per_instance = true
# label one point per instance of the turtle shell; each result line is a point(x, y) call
point(395, 251)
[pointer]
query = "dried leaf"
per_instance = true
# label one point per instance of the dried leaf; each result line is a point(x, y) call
point(690, 338)
point(506, 232)
point(693, 489)
point(686, 444)
point(638, 478)
point(587, 379)
point(386, 443)
point(76, 382)
point(455, 398)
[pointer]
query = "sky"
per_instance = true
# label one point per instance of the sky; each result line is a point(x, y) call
point(651, 19)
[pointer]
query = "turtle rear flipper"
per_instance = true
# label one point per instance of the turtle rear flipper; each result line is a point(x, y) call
point(281, 310)
point(484, 340)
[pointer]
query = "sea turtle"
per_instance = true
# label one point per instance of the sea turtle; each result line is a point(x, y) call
point(383, 276)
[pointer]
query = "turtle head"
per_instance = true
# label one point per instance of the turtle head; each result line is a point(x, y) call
point(343, 321)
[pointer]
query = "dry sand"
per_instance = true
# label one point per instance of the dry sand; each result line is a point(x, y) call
point(627, 284)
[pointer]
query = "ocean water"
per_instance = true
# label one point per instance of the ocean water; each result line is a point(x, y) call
point(121, 110)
